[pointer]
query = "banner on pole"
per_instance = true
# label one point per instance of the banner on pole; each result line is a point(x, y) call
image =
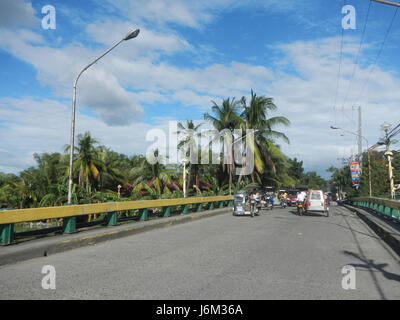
point(355, 172)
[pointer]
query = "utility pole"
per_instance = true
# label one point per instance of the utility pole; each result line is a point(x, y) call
point(390, 3)
point(386, 127)
point(359, 137)
point(340, 188)
point(389, 157)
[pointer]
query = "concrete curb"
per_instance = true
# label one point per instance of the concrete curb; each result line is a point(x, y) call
point(382, 232)
point(45, 247)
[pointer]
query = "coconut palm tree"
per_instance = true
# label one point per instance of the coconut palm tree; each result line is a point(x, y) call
point(110, 173)
point(189, 146)
point(226, 118)
point(87, 162)
point(255, 116)
point(156, 177)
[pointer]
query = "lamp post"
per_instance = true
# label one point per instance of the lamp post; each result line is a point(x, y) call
point(130, 35)
point(369, 156)
point(386, 127)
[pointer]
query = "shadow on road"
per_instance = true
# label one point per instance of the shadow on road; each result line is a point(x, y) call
point(308, 214)
point(371, 266)
point(329, 222)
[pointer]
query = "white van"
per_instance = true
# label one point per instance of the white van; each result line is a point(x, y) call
point(316, 202)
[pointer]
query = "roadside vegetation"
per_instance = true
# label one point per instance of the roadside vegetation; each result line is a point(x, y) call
point(98, 170)
point(341, 178)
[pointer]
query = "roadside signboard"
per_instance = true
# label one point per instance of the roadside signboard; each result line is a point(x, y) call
point(355, 172)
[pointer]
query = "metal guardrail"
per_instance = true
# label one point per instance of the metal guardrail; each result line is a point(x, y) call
point(70, 213)
point(386, 207)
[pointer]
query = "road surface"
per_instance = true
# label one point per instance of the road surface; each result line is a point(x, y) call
point(278, 255)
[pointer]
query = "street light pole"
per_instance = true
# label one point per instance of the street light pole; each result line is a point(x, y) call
point(390, 3)
point(130, 35)
point(386, 127)
point(369, 156)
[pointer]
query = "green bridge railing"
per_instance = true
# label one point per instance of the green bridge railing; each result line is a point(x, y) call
point(385, 207)
point(70, 213)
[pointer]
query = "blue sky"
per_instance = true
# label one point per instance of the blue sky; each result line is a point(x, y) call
point(187, 54)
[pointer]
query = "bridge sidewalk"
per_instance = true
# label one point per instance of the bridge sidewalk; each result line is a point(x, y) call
point(387, 229)
point(51, 245)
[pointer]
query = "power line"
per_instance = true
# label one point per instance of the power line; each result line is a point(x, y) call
point(378, 56)
point(395, 131)
point(339, 71)
point(358, 54)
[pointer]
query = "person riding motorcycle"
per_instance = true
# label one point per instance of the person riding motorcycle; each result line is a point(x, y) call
point(283, 199)
point(255, 198)
point(301, 197)
point(258, 199)
point(271, 197)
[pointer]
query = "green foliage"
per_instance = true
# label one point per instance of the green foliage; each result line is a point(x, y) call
point(99, 172)
point(296, 170)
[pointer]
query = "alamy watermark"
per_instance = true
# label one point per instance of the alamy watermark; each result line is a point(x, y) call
point(349, 20)
point(202, 147)
point(49, 280)
point(349, 278)
point(49, 20)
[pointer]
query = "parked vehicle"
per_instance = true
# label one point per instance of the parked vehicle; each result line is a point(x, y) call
point(315, 201)
point(292, 198)
point(243, 205)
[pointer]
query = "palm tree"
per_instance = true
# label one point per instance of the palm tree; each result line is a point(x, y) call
point(155, 178)
point(110, 173)
point(226, 118)
point(188, 145)
point(87, 161)
point(255, 116)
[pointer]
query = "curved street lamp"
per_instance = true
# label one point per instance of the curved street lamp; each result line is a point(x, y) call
point(130, 35)
point(369, 156)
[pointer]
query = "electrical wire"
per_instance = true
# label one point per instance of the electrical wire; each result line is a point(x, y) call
point(394, 133)
point(339, 71)
point(358, 55)
point(378, 56)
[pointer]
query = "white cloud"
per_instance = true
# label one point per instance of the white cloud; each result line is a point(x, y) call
point(190, 98)
point(99, 89)
point(145, 43)
point(307, 97)
point(135, 73)
point(194, 13)
point(16, 12)
point(32, 125)
point(103, 94)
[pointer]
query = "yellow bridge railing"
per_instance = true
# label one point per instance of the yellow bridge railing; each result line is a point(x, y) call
point(69, 213)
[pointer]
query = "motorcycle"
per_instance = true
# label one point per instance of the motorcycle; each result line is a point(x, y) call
point(259, 205)
point(268, 203)
point(254, 211)
point(283, 203)
point(300, 208)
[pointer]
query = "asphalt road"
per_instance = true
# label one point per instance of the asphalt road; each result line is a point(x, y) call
point(277, 255)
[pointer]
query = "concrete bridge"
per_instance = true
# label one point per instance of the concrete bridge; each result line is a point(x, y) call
point(278, 255)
